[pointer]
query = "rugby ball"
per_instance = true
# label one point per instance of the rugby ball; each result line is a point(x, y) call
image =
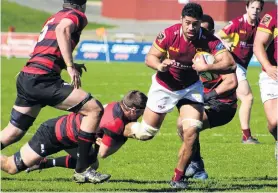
point(209, 59)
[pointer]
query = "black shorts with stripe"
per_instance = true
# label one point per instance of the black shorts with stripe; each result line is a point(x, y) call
point(38, 89)
point(45, 142)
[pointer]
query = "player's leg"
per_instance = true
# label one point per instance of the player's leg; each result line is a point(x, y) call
point(68, 161)
point(196, 168)
point(21, 120)
point(269, 96)
point(18, 162)
point(191, 118)
point(244, 94)
point(270, 108)
point(77, 100)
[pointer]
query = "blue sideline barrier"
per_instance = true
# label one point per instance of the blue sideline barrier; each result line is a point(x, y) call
point(113, 51)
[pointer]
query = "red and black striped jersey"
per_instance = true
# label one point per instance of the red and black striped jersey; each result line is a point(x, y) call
point(46, 55)
point(111, 126)
point(228, 97)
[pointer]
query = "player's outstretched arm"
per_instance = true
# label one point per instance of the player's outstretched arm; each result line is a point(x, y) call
point(262, 40)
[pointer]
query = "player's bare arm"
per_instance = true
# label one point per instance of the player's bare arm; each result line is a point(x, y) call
point(262, 41)
point(224, 64)
point(153, 60)
point(105, 151)
point(63, 33)
point(229, 83)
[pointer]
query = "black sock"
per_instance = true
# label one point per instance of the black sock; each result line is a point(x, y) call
point(274, 132)
point(65, 162)
point(197, 155)
point(2, 146)
point(85, 141)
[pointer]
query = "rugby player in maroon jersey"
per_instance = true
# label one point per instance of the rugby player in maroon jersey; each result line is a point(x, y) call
point(220, 107)
point(39, 83)
point(61, 133)
point(239, 36)
point(265, 49)
point(177, 81)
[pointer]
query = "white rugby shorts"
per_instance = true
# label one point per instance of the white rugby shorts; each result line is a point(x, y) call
point(241, 73)
point(162, 100)
point(268, 87)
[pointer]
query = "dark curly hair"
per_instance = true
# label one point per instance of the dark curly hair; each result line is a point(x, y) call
point(192, 10)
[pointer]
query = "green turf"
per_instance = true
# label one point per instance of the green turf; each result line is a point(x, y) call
point(25, 19)
point(148, 166)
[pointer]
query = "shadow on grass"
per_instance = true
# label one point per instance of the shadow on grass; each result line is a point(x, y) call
point(235, 184)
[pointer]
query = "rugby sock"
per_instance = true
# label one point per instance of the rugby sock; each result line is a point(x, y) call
point(2, 146)
point(274, 132)
point(178, 175)
point(246, 133)
point(65, 162)
point(85, 141)
point(197, 155)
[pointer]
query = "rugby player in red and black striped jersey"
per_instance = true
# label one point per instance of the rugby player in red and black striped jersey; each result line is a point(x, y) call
point(220, 104)
point(61, 133)
point(39, 83)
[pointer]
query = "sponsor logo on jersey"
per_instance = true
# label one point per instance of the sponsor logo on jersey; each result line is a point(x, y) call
point(161, 36)
point(266, 20)
point(242, 31)
point(174, 49)
point(220, 46)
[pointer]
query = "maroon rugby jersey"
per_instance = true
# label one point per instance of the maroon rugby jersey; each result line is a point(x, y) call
point(241, 34)
point(213, 84)
point(268, 24)
point(47, 53)
point(172, 42)
point(112, 125)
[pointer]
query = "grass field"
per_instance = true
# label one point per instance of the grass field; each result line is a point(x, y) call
point(148, 166)
point(25, 19)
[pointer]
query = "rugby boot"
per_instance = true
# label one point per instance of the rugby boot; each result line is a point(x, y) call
point(181, 184)
point(90, 175)
point(250, 140)
point(196, 170)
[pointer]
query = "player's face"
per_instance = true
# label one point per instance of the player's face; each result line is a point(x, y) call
point(135, 114)
point(253, 10)
point(190, 27)
point(206, 26)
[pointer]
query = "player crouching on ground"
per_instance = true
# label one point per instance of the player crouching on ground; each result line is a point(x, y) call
point(220, 107)
point(60, 134)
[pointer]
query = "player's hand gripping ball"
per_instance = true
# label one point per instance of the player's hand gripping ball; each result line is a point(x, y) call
point(209, 60)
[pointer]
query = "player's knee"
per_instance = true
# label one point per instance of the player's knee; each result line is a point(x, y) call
point(93, 108)
point(20, 120)
point(190, 129)
point(143, 131)
point(248, 98)
point(19, 164)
